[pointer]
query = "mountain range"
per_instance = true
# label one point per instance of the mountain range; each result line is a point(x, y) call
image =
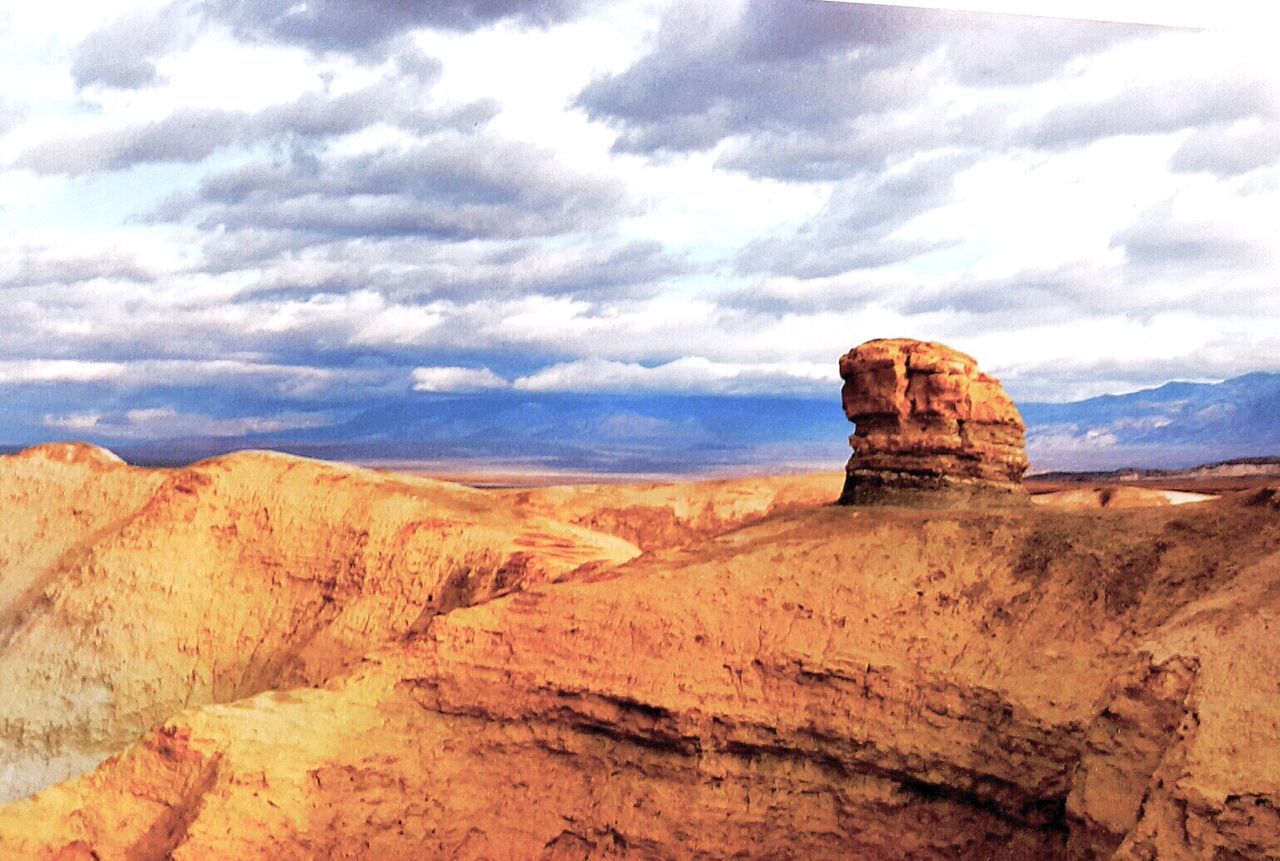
point(1179, 424)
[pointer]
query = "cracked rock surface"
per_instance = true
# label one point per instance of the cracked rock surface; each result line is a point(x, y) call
point(778, 678)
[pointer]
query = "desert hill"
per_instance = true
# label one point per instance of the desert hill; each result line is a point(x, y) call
point(291, 659)
point(129, 594)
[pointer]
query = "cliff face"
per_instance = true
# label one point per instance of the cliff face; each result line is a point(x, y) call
point(932, 429)
point(821, 682)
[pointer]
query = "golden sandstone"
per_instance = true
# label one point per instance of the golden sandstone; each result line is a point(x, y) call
point(931, 428)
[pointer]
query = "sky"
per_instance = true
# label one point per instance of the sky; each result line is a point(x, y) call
point(235, 216)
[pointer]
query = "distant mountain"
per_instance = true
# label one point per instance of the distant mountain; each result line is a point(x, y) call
point(1176, 425)
point(643, 433)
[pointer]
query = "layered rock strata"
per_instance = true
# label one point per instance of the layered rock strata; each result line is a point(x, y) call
point(932, 429)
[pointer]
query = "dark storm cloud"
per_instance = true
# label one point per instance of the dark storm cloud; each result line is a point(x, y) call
point(1229, 150)
point(453, 187)
point(342, 25)
point(811, 83)
point(193, 134)
point(854, 230)
point(123, 53)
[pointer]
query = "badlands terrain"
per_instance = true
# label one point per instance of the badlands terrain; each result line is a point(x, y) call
point(281, 658)
point(265, 657)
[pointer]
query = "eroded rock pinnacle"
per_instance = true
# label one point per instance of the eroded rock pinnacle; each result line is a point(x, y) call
point(932, 429)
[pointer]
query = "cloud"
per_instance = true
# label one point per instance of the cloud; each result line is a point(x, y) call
point(123, 53)
point(1154, 108)
point(1001, 50)
point(454, 187)
point(455, 379)
point(688, 374)
point(305, 202)
point(1164, 237)
point(192, 134)
point(1231, 149)
point(1025, 296)
point(28, 371)
point(1069, 446)
point(290, 381)
point(777, 66)
point(338, 25)
point(170, 423)
point(10, 116)
point(32, 266)
point(811, 85)
point(864, 143)
point(74, 421)
point(856, 229)
point(409, 269)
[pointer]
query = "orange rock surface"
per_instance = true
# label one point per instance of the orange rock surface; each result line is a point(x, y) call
point(778, 678)
point(931, 428)
point(128, 594)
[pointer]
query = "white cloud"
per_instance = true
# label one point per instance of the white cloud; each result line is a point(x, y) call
point(688, 374)
point(455, 379)
point(74, 421)
point(59, 371)
point(289, 381)
point(170, 423)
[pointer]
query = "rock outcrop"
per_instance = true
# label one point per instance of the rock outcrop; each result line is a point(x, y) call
point(932, 429)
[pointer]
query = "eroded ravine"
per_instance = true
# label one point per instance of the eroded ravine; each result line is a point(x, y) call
point(822, 683)
point(128, 594)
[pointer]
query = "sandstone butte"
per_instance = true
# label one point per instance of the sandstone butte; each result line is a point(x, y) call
point(932, 429)
point(264, 657)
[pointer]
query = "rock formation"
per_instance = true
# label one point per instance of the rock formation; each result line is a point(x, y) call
point(932, 429)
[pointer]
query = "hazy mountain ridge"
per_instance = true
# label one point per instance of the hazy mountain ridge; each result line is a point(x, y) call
point(1176, 425)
